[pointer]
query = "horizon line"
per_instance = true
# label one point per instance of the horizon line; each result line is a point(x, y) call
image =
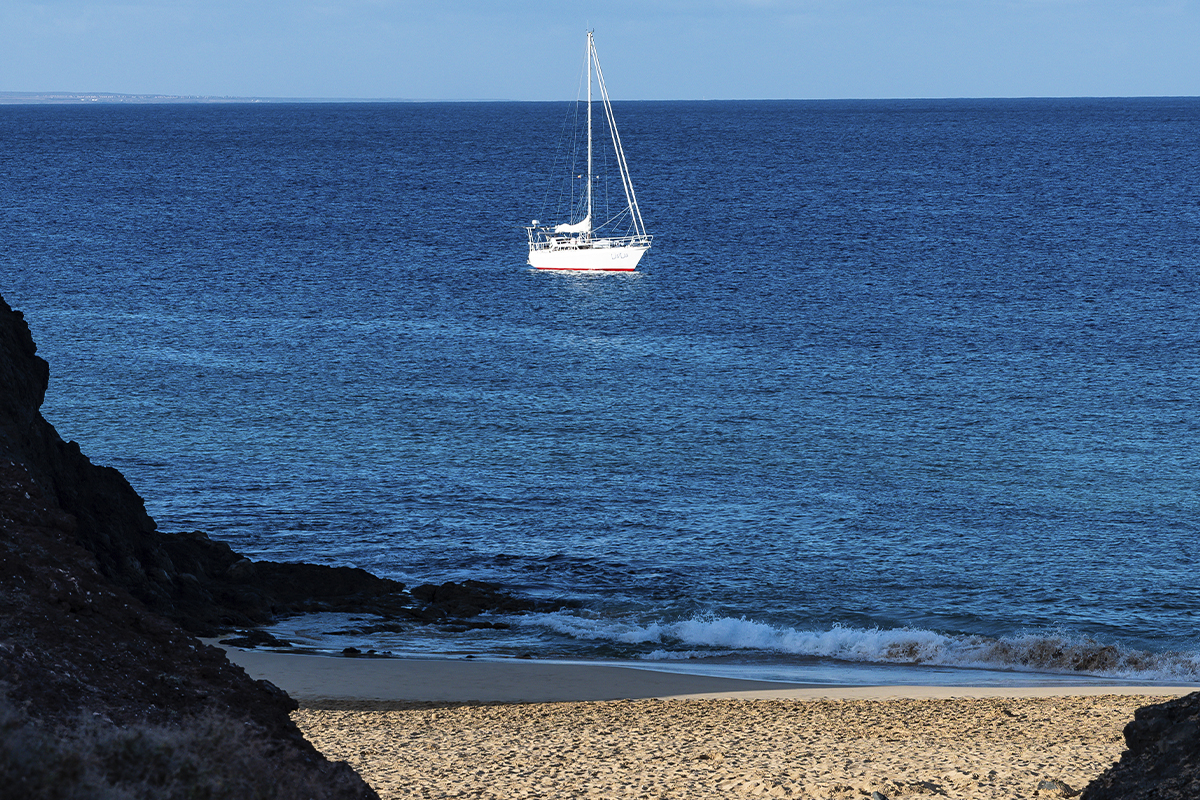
point(118, 98)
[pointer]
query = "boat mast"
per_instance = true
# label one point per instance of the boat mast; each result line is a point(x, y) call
point(591, 55)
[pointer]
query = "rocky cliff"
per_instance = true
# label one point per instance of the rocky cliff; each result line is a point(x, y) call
point(97, 606)
point(200, 583)
point(76, 644)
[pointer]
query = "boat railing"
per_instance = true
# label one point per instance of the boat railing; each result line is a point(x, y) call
point(542, 238)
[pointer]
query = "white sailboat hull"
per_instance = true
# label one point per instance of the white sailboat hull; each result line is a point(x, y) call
point(598, 258)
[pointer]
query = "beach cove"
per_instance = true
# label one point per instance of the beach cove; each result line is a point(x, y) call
point(641, 733)
point(929, 406)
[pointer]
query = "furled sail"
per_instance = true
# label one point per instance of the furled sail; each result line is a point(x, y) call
point(582, 226)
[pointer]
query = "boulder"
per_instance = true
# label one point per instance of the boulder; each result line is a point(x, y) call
point(471, 598)
point(1162, 756)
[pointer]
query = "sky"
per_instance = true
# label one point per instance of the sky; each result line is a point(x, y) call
point(649, 49)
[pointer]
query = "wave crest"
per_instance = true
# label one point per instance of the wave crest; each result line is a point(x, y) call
point(1040, 652)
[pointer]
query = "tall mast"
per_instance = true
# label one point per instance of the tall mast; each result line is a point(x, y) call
point(590, 55)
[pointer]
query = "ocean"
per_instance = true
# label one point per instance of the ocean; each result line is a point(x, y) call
point(904, 391)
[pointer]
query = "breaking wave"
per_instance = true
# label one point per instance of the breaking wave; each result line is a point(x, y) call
point(1034, 652)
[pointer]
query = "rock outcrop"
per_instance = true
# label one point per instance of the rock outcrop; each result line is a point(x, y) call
point(97, 606)
point(74, 640)
point(1162, 756)
point(202, 584)
point(91, 587)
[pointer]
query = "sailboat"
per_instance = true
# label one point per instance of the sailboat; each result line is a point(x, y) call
point(614, 244)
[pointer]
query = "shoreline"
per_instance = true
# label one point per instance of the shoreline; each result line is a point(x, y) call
point(377, 682)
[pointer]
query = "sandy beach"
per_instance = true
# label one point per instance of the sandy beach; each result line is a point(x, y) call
point(433, 729)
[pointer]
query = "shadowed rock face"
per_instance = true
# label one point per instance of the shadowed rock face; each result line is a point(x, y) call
point(187, 577)
point(110, 517)
point(77, 557)
point(96, 604)
point(1162, 759)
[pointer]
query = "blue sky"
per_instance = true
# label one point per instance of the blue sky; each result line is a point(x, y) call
point(650, 49)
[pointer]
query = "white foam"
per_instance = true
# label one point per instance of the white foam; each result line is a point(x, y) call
point(1041, 652)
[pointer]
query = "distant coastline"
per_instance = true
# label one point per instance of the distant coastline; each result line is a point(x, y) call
point(83, 98)
point(79, 98)
point(64, 98)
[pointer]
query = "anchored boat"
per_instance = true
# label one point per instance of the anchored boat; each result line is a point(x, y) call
point(614, 244)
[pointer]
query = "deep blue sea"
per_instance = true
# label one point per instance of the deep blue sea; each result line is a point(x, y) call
point(904, 391)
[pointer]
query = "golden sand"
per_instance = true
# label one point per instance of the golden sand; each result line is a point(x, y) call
point(958, 747)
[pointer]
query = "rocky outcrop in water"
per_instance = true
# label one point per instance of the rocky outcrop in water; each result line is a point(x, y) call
point(202, 584)
point(1162, 756)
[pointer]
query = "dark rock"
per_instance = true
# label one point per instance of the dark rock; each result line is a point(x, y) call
point(202, 584)
point(351, 652)
point(79, 561)
point(471, 598)
point(1162, 756)
point(241, 571)
point(71, 640)
point(255, 638)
